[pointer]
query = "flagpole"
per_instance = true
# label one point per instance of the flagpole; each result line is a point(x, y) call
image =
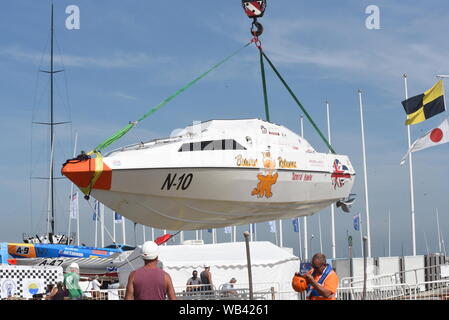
point(123, 229)
point(102, 224)
point(443, 76)
point(389, 233)
point(410, 162)
point(113, 226)
point(275, 231)
point(71, 187)
point(365, 175)
point(165, 232)
point(306, 252)
point(96, 232)
point(299, 239)
point(71, 209)
point(143, 233)
point(152, 234)
point(425, 241)
point(321, 239)
point(361, 234)
point(439, 233)
point(78, 223)
point(334, 254)
point(97, 209)
point(443, 245)
point(281, 235)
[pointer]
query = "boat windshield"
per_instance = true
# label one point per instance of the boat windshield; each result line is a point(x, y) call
point(210, 145)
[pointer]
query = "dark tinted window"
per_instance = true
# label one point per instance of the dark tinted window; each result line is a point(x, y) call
point(228, 144)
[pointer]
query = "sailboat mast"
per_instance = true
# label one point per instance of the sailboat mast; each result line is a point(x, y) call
point(52, 129)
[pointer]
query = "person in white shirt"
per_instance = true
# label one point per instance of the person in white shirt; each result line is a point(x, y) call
point(228, 287)
point(96, 286)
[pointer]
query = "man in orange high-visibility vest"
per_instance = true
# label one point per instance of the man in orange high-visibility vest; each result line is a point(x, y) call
point(322, 280)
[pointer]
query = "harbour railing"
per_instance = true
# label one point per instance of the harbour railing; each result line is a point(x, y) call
point(428, 290)
point(429, 277)
point(240, 291)
point(431, 273)
point(381, 292)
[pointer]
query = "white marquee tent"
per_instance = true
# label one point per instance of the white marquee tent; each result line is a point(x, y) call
point(271, 265)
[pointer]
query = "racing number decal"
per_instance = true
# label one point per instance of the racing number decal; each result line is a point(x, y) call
point(182, 181)
point(53, 262)
point(23, 250)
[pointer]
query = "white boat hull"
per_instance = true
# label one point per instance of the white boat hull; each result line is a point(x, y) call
point(145, 196)
point(215, 174)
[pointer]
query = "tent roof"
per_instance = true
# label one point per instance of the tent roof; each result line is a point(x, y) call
point(263, 253)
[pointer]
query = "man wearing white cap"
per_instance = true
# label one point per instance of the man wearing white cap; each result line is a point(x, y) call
point(149, 282)
point(71, 281)
point(206, 278)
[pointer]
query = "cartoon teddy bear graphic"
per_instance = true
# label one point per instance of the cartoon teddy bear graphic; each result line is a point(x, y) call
point(266, 181)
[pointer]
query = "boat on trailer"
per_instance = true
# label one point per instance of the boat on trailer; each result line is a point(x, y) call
point(215, 174)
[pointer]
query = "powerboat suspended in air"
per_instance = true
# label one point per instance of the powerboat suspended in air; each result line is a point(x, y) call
point(215, 174)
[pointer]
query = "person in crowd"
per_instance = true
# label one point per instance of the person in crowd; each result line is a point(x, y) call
point(49, 288)
point(228, 287)
point(57, 292)
point(149, 282)
point(206, 278)
point(321, 279)
point(96, 286)
point(194, 283)
point(71, 282)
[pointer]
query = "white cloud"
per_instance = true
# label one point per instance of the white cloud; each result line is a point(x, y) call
point(124, 95)
point(117, 60)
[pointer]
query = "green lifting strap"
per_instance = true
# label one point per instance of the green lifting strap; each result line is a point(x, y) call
point(264, 85)
point(299, 103)
point(117, 135)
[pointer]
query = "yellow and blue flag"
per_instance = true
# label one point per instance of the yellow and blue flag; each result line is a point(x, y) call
point(426, 105)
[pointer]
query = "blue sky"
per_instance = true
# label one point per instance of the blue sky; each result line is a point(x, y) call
point(128, 56)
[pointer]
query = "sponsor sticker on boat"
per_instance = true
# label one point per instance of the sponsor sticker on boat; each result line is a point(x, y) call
point(267, 177)
point(72, 253)
point(340, 174)
point(245, 162)
point(99, 252)
point(285, 164)
point(302, 176)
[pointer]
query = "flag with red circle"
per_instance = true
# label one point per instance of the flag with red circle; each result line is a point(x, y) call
point(436, 136)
